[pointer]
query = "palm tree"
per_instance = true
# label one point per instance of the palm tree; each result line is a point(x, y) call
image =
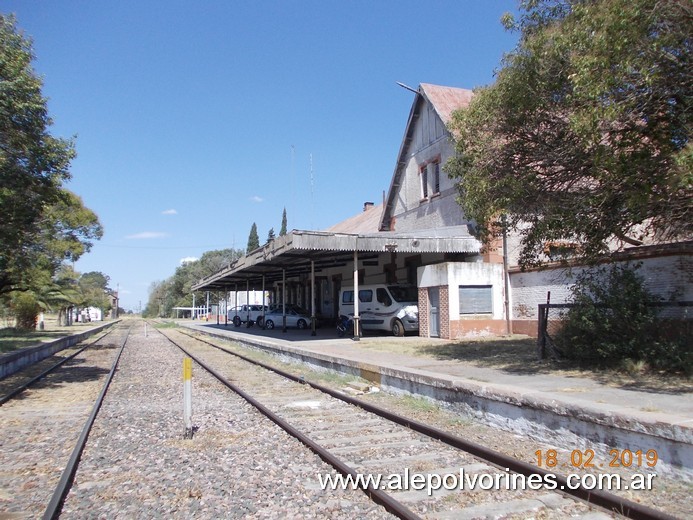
point(60, 295)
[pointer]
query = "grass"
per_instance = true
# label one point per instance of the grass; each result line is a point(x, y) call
point(165, 324)
point(514, 354)
point(325, 377)
point(12, 339)
point(518, 355)
point(332, 378)
point(419, 404)
point(15, 339)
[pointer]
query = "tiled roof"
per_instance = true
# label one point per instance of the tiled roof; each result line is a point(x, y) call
point(446, 100)
point(365, 222)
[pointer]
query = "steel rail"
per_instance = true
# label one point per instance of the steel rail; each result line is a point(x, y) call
point(377, 495)
point(604, 499)
point(63, 487)
point(21, 388)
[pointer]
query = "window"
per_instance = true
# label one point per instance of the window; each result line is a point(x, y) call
point(412, 263)
point(435, 168)
point(476, 299)
point(560, 250)
point(430, 179)
point(424, 181)
point(383, 297)
point(366, 295)
point(390, 271)
point(404, 293)
point(348, 297)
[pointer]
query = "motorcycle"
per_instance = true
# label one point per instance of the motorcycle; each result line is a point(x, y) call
point(345, 326)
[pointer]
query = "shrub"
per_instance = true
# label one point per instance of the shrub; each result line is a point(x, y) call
point(26, 310)
point(614, 320)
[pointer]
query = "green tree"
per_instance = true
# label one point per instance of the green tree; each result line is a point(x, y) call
point(282, 230)
point(95, 291)
point(176, 291)
point(65, 290)
point(56, 293)
point(212, 262)
point(66, 231)
point(253, 239)
point(63, 232)
point(61, 293)
point(584, 136)
point(42, 223)
point(270, 235)
point(159, 300)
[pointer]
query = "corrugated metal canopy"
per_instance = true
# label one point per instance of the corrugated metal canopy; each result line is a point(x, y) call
point(295, 251)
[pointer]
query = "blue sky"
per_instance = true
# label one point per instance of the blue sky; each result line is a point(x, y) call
point(195, 119)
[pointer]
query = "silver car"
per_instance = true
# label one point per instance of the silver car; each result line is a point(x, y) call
point(296, 316)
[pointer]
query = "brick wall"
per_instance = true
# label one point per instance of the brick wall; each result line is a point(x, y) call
point(445, 312)
point(666, 270)
point(424, 329)
point(670, 277)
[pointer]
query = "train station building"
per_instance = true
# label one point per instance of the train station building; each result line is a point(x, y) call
point(419, 235)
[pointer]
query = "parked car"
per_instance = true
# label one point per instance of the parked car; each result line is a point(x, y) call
point(248, 314)
point(296, 316)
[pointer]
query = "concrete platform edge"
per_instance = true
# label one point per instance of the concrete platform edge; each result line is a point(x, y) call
point(15, 361)
point(567, 424)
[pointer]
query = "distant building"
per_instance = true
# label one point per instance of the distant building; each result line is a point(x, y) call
point(86, 314)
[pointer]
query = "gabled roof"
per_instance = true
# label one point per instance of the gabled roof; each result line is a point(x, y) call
point(445, 100)
point(365, 222)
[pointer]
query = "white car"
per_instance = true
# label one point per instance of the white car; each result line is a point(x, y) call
point(248, 314)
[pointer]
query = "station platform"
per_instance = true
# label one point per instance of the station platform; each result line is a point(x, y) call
point(566, 410)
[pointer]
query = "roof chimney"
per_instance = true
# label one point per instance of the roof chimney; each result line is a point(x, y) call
point(367, 205)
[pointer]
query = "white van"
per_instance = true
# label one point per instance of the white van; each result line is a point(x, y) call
point(383, 307)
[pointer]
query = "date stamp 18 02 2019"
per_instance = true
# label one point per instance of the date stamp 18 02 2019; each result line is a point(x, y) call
point(586, 459)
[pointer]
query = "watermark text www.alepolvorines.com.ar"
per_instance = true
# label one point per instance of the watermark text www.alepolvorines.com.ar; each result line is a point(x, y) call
point(462, 480)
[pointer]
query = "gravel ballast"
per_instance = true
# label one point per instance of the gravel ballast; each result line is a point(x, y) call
point(237, 465)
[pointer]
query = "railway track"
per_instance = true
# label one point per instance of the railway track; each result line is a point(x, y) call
point(361, 439)
point(137, 463)
point(15, 384)
point(46, 419)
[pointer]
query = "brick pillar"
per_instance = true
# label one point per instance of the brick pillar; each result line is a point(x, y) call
point(444, 312)
point(424, 330)
point(492, 251)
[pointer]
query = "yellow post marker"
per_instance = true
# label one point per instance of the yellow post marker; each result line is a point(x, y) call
point(187, 397)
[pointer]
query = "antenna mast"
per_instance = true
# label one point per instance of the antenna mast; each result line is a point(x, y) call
point(312, 183)
point(407, 87)
point(292, 205)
